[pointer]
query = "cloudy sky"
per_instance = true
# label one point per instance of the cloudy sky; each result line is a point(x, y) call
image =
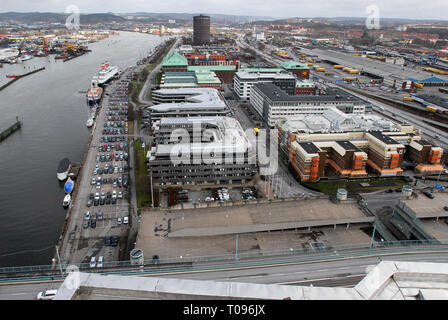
point(431, 9)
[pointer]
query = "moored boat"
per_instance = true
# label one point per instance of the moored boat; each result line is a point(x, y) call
point(63, 168)
point(69, 185)
point(67, 200)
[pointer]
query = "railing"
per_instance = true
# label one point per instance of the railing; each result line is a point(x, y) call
point(189, 263)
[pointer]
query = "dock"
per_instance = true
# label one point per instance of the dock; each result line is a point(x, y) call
point(19, 77)
point(6, 133)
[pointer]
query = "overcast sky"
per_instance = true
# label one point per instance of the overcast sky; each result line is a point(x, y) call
point(430, 9)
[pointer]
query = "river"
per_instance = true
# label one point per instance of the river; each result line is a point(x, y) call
point(54, 115)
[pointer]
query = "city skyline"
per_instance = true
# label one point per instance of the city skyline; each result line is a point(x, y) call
point(281, 9)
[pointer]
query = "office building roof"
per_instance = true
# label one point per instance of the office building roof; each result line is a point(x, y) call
point(262, 70)
point(212, 68)
point(174, 58)
point(197, 99)
point(348, 146)
point(276, 94)
point(256, 76)
point(293, 65)
point(383, 138)
point(309, 147)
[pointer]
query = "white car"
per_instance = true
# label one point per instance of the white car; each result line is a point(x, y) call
point(97, 196)
point(120, 195)
point(47, 294)
point(126, 220)
point(100, 262)
point(92, 262)
point(114, 194)
point(208, 199)
point(93, 181)
point(119, 220)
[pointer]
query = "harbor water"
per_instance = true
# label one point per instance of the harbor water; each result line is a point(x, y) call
point(52, 106)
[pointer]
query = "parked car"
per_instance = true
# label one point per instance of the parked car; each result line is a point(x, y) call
point(429, 194)
point(119, 220)
point(125, 220)
point(92, 262)
point(100, 262)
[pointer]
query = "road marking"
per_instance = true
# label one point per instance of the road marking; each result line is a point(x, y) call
point(322, 279)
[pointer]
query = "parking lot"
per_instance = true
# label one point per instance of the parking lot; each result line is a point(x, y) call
point(99, 216)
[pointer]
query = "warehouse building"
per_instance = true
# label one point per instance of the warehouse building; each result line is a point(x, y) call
point(187, 102)
point(220, 153)
point(273, 104)
point(245, 80)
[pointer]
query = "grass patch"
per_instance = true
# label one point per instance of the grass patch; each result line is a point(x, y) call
point(142, 181)
point(331, 187)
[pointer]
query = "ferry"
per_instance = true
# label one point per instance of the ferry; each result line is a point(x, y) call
point(67, 200)
point(105, 75)
point(94, 94)
point(63, 168)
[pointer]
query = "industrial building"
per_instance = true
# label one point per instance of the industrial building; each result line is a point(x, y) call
point(218, 152)
point(187, 102)
point(273, 104)
point(189, 79)
point(244, 80)
point(350, 153)
point(201, 30)
point(391, 74)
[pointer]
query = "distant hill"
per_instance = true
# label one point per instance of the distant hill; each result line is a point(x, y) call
point(50, 17)
point(220, 18)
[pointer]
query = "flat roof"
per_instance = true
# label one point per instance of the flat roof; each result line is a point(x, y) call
point(197, 99)
point(264, 75)
point(382, 137)
point(274, 93)
point(212, 68)
point(309, 147)
point(347, 145)
point(382, 69)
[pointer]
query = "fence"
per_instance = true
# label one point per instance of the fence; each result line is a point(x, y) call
point(258, 258)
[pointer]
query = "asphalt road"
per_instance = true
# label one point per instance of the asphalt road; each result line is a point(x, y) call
point(344, 272)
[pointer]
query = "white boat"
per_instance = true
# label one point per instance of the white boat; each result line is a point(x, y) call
point(63, 169)
point(105, 75)
point(26, 57)
point(89, 122)
point(67, 200)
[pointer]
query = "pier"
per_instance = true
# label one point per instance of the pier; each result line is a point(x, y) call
point(6, 133)
point(19, 77)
